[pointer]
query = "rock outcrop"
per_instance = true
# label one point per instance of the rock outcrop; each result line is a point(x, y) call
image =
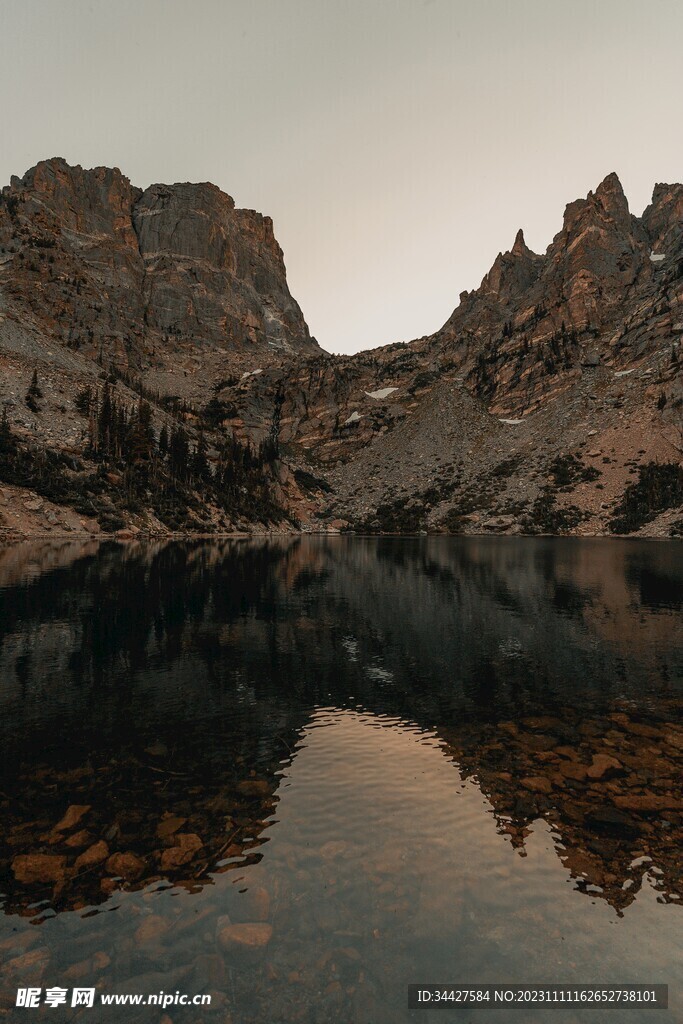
point(133, 277)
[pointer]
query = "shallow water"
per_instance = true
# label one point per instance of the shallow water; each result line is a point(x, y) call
point(449, 760)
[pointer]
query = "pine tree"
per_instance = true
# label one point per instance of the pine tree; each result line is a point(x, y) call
point(163, 441)
point(7, 441)
point(34, 393)
point(179, 453)
point(200, 463)
point(141, 436)
point(105, 422)
point(83, 400)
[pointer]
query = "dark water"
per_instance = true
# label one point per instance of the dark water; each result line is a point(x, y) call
point(432, 760)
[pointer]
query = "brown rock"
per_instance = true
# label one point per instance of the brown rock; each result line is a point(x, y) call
point(647, 803)
point(187, 846)
point(253, 788)
point(537, 784)
point(167, 826)
point(245, 936)
point(31, 965)
point(333, 849)
point(39, 868)
point(573, 770)
point(254, 904)
point(94, 855)
point(82, 838)
point(601, 765)
point(152, 929)
point(126, 865)
point(73, 816)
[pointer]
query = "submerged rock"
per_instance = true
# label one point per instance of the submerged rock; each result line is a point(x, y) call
point(187, 845)
point(601, 765)
point(95, 854)
point(254, 935)
point(128, 865)
point(39, 868)
point(253, 787)
point(74, 814)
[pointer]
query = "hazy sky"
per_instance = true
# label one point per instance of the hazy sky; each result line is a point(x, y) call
point(397, 144)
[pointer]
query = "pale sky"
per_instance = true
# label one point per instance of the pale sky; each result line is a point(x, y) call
point(397, 144)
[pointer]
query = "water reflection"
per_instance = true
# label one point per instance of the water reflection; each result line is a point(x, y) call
point(393, 760)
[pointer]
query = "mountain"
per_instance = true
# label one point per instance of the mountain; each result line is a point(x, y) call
point(550, 401)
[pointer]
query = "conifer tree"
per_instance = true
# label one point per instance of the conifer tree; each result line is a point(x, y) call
point(179, 453)
point(141, 435)
point(200, 462)
point(7, 441)
point(104, 422)
point(34, 393)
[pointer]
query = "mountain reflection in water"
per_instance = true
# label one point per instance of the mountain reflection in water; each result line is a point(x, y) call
point(401, 760)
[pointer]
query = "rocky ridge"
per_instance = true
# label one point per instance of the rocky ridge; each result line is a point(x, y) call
point(550, 401)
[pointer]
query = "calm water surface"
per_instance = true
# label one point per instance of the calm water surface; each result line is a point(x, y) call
point(430, 760)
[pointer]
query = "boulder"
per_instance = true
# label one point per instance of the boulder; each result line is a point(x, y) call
point(39, 868)
point(187, 845)
point(73, 816)
point(251, 936)
point(126, 865)
point(95, 854)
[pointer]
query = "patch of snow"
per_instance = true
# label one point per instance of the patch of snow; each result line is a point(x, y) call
point(353, 418)
point(624, 373)
point(382, 393)
point(511, 423)
point(657, 257)
point(251, 373)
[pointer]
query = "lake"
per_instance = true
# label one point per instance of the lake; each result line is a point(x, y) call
point(299, 774)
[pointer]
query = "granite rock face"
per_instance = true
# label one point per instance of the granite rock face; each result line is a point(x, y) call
point(134, 277)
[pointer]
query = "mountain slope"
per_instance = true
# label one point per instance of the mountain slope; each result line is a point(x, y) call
point(540, 401)
point(550, 401)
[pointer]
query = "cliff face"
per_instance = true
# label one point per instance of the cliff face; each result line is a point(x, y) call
point(135, 277)
point(545, 395)
point(536, 405)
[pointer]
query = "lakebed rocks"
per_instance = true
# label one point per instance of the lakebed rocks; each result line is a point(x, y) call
point(127, 848)
point(611, 787)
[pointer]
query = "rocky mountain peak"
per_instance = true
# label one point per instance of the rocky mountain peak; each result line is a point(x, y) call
point(663, 218)
point(133, 274)
point(611, 195)
point(520, 247)
point(606, 209)
point(513, 272)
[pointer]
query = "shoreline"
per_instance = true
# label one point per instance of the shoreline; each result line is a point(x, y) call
point(127, 536)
